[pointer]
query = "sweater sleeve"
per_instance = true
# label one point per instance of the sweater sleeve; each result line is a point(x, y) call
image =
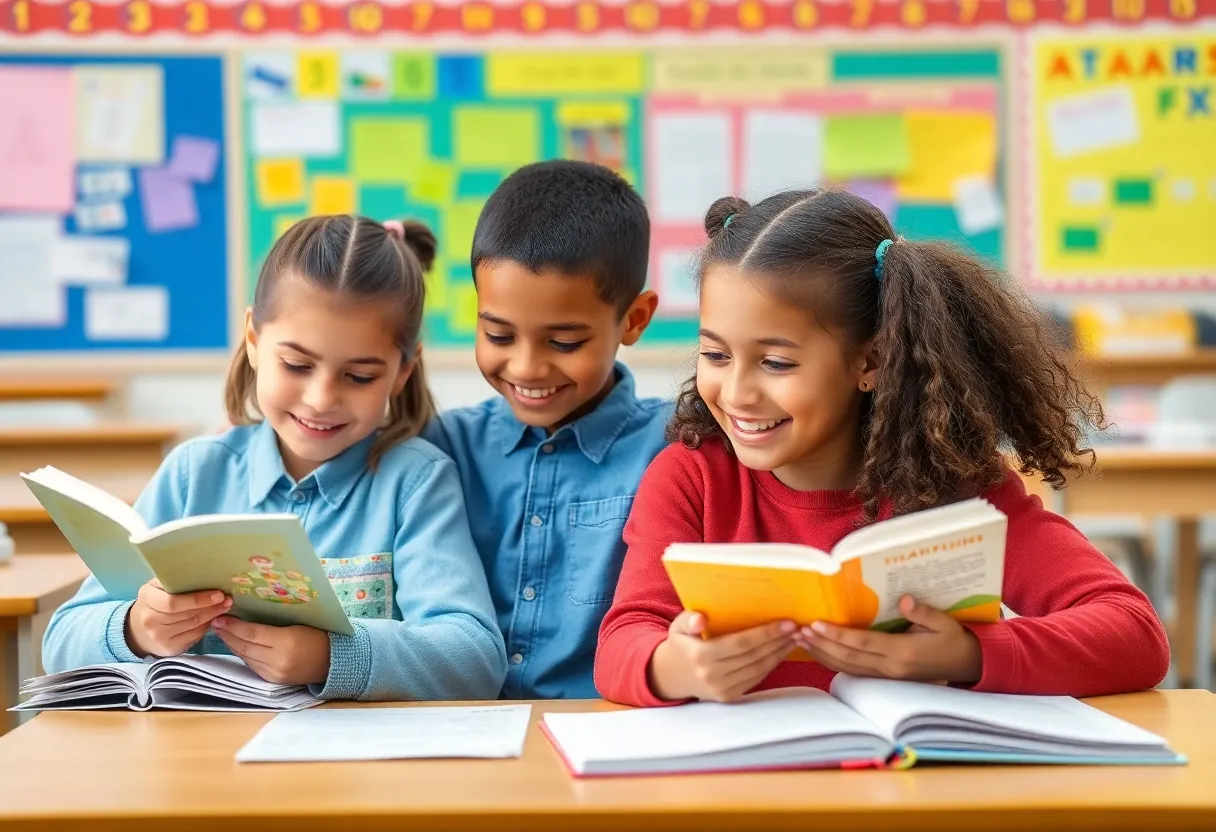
point(1085, 629)
point(667, 509)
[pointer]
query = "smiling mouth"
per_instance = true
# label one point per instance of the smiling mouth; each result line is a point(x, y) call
point(535, 396)
point(757, 427)
point(313, 428)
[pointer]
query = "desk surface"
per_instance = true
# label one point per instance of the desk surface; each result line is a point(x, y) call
point(127, 771)
point(80, 389)
point(29, 583)
point(101, 433)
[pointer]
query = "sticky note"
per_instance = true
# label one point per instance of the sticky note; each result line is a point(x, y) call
point(283, 223)
point(296, 128)
point(413, 76)
point(83, 260)
point(1086, 190)
point(496, 137)
point(463, 316)
point(460, 77)
point(388, 151)
point(946, 146)
point(270, 75)
point(109, 215)
point(37, 134)
point(105, 182)
point(1133, 191)
point(977, 205)
point(194, 158)
point(317, 75)
point(1080, 239)
point(866, 146)
point(120, 113)
point(460, 222)
point(434, 183)
point(131, 313)
point(366, 75)
point(167, 201)
point(332, 195)
point(878, 192)
point(280, 182)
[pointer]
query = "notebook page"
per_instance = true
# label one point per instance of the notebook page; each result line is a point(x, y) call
point(704, 727)
point(229, 671)
point(889, 704)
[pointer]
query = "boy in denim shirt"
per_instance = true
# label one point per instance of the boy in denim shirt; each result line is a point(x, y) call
point(549, 467)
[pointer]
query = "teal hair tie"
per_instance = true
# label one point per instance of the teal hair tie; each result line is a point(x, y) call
point(880, 254)
point(726, 222)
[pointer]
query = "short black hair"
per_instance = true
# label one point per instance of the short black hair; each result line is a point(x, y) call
point(581, 219)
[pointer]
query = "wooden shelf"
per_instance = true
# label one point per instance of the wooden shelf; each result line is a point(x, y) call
point(17, 388)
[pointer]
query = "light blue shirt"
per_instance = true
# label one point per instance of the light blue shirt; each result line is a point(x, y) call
point(400, 532)
point(547, 514)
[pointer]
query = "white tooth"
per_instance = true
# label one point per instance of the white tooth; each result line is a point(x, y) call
point(536, 393)
point(756, 427)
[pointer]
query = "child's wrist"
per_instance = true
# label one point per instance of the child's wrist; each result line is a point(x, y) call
point(661, 674)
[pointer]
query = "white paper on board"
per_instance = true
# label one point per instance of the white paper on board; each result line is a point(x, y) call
point(303, 128)
point(692, 153)
point(677, 292)
point(1082, 123)
point(120, 113)
point(131, 313)
point(30, 296)
point(781, 150)
point(91, 261)
point(977, 205)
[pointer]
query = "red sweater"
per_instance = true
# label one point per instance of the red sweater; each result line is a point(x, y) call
point(1086, 630)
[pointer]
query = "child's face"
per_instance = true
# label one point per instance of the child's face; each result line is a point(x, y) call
point(782, 388)
point(326, 369)
point(547, 342)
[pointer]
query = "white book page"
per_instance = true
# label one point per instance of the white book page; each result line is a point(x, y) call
point(889, 704)
point(771, 555)
point(704, 727)
point(910, 527)
point(493, 731)
point(90, 495)
point(227, 671)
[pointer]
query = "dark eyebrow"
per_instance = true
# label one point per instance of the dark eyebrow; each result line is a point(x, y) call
point(713, 336)
point(369, 360)
point(565, 326)
point(777, 342)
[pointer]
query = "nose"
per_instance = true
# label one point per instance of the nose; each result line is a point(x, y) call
point(526, 364)
point(739, 389)
point(319, 394)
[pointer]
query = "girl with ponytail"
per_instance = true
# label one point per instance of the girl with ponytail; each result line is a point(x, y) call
point(327, 396)
point(847, 375)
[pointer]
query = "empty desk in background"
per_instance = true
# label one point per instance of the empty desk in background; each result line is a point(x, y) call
point(23, 388)
point(104, 449)
point(31, 527)
point(31, 589)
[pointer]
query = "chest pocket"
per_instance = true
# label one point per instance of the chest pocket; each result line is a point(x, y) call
point(363, 584)
point(596, 550)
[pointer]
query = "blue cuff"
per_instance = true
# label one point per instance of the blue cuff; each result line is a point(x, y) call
point(116, 633)
point(350, 666)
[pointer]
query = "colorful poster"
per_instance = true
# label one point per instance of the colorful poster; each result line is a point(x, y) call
point(1124, 161)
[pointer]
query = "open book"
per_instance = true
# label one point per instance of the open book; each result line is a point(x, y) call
point(863, 723)
point(951, 558)
point(186, 682)
point(264, 561)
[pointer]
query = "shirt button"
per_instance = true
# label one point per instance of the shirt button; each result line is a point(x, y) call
point(547, 448)
point(536, 521)
point(297, 497)
point(529, 593)
point(517, 658)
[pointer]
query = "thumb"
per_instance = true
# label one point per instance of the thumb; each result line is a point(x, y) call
point(689, 623)
point(924, 615)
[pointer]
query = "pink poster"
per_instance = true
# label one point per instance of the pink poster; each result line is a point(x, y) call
point(37, 139)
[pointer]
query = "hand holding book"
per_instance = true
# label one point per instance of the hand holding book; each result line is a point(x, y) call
point(721, 669)
point(292, 655)
point(935, 648)
point(161, 624)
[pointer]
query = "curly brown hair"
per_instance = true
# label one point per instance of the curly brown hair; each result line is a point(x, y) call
point(966, 369)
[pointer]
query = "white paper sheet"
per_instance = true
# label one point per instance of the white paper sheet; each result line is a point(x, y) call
point(781, 150)
point(101, 216)
point(977, 205)
point(120, 114)
point(133, 313)
point(1083, 123)
point(494, 731)
point(692, 153)
point(105, 182)
point(676, 290)
point(1086, 190)
point(30, 296)
point(1184, 189)
point(270, 76)
point(97, 261)
point(306, 128)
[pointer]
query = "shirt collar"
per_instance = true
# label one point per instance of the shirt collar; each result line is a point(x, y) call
point(595, 432)
point(334, 479)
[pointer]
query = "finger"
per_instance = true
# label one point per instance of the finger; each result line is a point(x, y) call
point(746, 641)
point(184, 640)
point(923, 615)
point(832, 663)
point(759, 664)
point(733, 664)
point(865, 641)
point(245, 649)
point(196, 617)
point(689, 623)
point(255, 633)
point(837, 656)
point(163, 602)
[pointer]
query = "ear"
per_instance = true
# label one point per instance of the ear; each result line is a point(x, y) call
point(866, 368)
point(251, 339)
point(638, 316)
point(406, 370)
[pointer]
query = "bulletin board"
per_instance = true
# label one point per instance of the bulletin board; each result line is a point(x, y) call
point(113, 222)
point(1123, 131)
point(429, 135)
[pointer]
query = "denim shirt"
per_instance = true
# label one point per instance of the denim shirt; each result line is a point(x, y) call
point(400, 532)
point(547, 514)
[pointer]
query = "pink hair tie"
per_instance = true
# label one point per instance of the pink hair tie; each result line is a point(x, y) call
point(395, 228)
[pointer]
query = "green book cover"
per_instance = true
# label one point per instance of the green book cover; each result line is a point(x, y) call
point(264, 561)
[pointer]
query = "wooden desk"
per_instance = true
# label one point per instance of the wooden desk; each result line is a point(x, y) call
point(127, 771)
point(1152, 483)
point(106, 448)
point(31, 589)
point(17, 388)
point(1104, 372)
point(30, 526)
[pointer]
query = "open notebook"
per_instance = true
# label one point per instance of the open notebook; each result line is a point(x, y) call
point(863, 723)
point(186, 682)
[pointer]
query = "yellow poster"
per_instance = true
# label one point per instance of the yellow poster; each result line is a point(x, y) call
point(1124, 157)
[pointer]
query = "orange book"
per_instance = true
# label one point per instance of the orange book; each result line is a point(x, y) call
point(951, 558)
